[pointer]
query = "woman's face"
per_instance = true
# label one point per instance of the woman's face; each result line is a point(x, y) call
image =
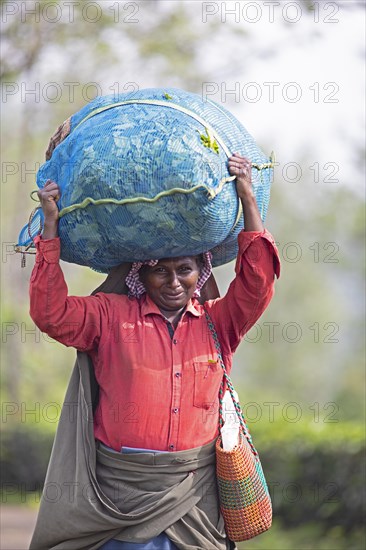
point(171, 282)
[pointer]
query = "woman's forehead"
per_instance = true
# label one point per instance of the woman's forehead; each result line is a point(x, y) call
point(179, 260)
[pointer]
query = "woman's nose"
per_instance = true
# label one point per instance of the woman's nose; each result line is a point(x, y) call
point(174, 280)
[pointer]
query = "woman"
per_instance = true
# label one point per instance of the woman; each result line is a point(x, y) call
point(134, 467)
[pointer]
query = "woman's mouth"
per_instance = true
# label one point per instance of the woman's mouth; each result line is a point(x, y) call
point(174, 296)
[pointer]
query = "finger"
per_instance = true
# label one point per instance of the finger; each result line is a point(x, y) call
point(239, 167)
point(238, 157)
point(240, 171)
point(246, 165)
point(46, 192)
point(240, 160)
point(50, 187)
point(49, 190)
point(49, 183)
point(49, 197)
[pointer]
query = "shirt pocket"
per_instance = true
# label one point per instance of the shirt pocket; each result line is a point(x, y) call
point(207, 379)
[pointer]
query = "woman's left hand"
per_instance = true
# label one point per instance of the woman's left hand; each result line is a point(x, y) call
point(241, 167)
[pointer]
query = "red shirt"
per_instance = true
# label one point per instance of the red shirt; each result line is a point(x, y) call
point(157, 390)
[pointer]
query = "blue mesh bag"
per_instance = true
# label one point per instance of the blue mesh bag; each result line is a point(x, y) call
point(144, 175)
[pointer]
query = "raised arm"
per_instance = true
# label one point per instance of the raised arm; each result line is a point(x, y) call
point(73, 321)
point(256, 266)
point(48, 196)
point(241, 168)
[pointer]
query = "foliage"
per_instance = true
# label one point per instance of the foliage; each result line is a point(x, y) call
point(17, 474)
point(314, 473)
point(313, 465)
point(24, 44)
point(304, 537)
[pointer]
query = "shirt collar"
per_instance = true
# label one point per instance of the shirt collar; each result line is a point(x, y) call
point(148, 306)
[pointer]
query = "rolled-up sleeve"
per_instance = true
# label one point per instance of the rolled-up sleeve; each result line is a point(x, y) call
point(73, 321)
point(250, 292)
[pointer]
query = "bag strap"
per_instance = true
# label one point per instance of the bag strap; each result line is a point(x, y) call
point(230, 386)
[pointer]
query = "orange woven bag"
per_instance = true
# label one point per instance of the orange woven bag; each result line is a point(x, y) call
point(244, 498)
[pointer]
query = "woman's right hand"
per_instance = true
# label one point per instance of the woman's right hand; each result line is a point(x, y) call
point(48, 196)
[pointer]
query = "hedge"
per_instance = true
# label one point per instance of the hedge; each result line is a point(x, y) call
point(315, 473)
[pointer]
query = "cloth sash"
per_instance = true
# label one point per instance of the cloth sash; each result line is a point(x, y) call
point(92, 494)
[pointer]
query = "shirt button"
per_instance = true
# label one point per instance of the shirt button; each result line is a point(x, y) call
point(175, 341)
point(171, 446)
point(177, 374)
point(175, 410)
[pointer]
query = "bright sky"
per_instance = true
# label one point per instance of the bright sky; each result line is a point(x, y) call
point(303, 94)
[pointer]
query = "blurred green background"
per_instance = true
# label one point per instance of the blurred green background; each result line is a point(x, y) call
point(292, 73)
